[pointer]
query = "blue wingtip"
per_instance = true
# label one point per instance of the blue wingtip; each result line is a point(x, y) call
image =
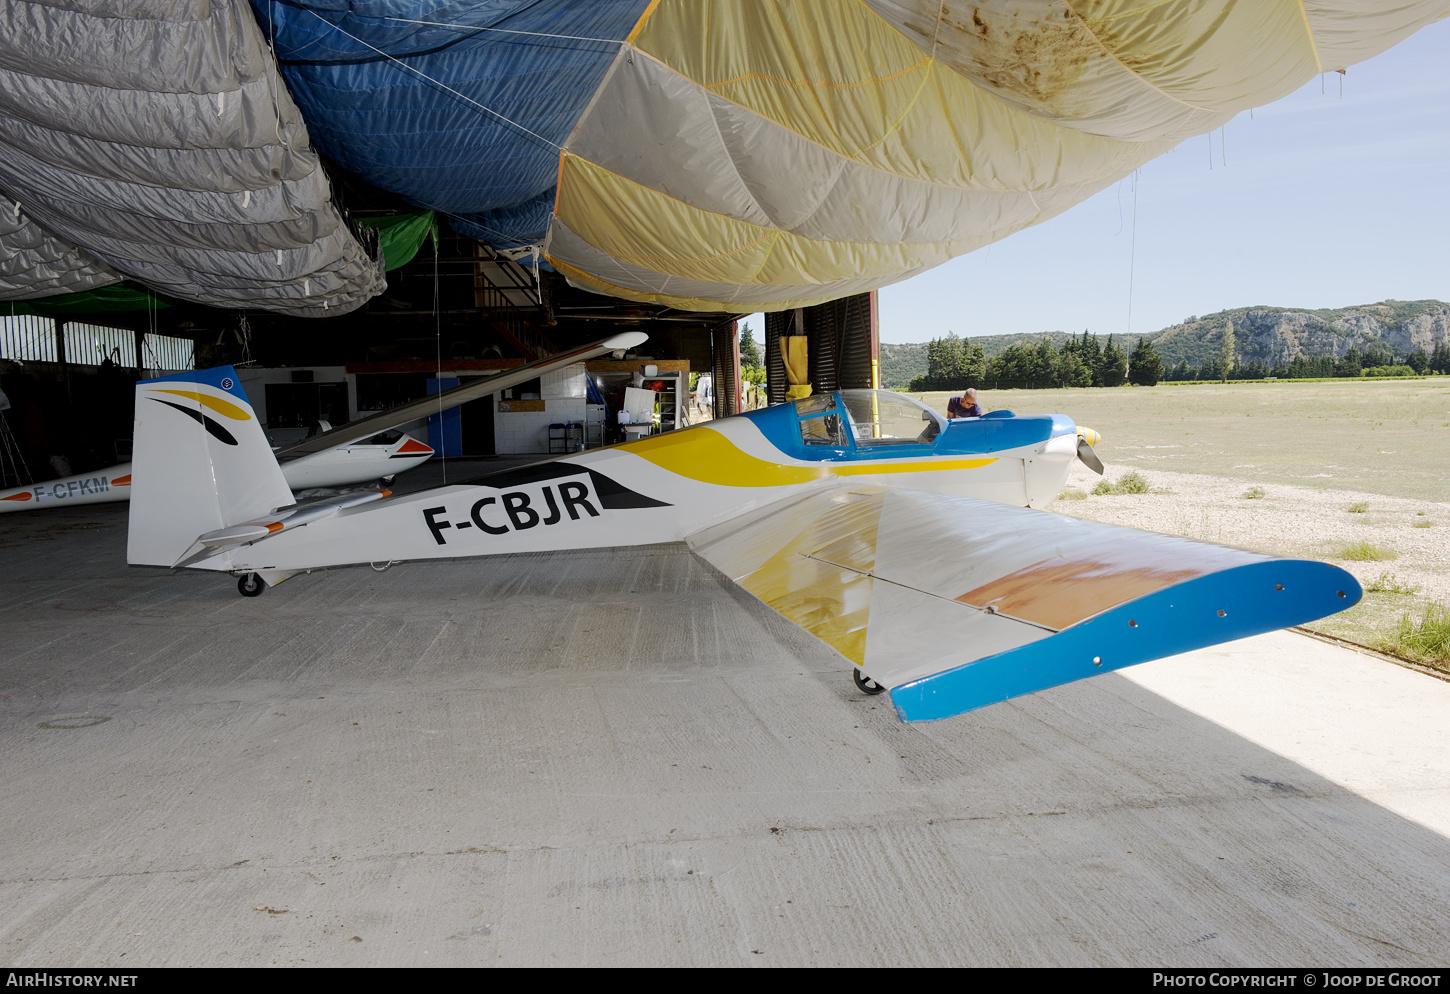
point(1231, 604)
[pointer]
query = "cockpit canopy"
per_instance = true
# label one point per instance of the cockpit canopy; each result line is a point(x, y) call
point(879, 424)
point(873, 418)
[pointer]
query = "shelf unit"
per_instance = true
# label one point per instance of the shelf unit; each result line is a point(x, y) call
point(613, 375)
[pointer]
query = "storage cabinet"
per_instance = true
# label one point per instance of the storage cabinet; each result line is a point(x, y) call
point(671, 380)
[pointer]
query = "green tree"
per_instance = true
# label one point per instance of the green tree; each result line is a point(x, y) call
point(1440, 358)
point(1013, 367)
point(937, 364)
point(927, 380)
point(951, 364)
point(1376, 354)
point(1045, 360)
point(950, 374)
point(1070, 370)
point(1350, 365)
point(749, 351)
point(1114, 369)
point(1418, 361)
point(1091, 356)
point(1145, 368)
point(1226, 351)
point(973, 367)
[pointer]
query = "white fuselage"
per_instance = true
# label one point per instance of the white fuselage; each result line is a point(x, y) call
point(660, 489)
point(342, 466)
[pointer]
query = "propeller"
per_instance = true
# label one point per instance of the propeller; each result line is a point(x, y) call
point(1088, 456)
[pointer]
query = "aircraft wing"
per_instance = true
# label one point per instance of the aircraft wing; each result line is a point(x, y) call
point(953, 603)
point(482, 387)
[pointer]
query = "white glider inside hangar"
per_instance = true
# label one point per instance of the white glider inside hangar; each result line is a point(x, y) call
point(705, 155)
point(908, 543)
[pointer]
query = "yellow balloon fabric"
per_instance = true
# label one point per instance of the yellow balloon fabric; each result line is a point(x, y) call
point(758, 156)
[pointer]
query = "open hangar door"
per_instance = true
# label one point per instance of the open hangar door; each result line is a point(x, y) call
point(725, 342)
point(839, 342)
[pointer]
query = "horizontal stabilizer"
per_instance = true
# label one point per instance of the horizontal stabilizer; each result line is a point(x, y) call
point(953, 603)
point(233, 536)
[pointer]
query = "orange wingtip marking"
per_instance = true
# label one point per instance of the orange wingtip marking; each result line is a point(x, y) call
point(122, 481)
point(1063, 590)
point(386, 493)
point(273, 528)
point(23, 495)
point(413, 445)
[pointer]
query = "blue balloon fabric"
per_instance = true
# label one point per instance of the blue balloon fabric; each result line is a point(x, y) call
point(461, 107)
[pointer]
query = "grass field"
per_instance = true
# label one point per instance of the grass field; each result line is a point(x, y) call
point(1372, 435)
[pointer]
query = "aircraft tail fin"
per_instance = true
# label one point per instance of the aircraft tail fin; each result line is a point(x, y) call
point(200, 463)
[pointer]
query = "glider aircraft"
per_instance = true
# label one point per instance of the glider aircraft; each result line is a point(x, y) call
point(339, 466)
point(337, 457)
point(912, 545)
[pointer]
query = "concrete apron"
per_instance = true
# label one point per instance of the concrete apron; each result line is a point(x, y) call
point(616, 758)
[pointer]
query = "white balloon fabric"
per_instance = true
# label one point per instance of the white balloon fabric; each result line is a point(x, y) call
point(156, 140)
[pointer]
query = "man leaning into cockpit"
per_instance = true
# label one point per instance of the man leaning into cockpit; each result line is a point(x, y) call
point(965, 406)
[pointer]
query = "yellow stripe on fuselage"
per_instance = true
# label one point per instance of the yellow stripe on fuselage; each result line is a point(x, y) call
point(222, 407)
point(915, 466)
point(708, 456)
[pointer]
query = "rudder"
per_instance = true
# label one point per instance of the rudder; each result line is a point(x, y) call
point(200, 462)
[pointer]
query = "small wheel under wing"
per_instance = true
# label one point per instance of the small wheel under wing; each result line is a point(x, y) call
point(251, 585)
point(865, 684)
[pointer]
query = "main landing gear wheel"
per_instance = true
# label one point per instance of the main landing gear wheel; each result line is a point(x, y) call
point(867, 685)
point(251, 585)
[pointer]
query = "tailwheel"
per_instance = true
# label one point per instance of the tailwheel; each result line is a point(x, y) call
point(865, 684)
point(251, 585)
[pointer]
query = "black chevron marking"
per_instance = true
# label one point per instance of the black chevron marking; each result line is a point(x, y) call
point(612, 495)
point(214, 429)
point(615, 495)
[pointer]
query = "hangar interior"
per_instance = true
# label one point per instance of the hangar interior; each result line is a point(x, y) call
point(454, 311)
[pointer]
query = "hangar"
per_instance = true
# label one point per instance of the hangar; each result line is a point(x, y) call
point(665, 165)
point(1126, 826)
point(447, 317)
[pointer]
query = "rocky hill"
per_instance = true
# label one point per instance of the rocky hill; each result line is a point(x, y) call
point(1278, 334)
point(1270, 334)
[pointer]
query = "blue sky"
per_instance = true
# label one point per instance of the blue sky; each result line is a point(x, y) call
point(1316, 200)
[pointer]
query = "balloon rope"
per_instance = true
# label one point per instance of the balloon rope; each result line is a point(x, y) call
point(438, 83)
point(1132, 253)
point(438, 351)
point(507, 31)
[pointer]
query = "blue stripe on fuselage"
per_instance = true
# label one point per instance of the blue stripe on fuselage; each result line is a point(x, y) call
point(996, 432)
